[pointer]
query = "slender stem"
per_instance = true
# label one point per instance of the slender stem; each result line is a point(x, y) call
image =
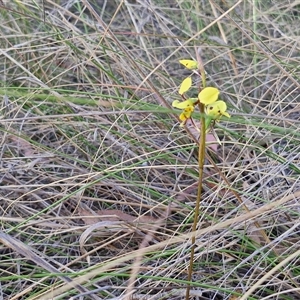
point(201, 157)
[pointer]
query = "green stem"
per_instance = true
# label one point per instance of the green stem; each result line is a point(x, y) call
point(201, 157)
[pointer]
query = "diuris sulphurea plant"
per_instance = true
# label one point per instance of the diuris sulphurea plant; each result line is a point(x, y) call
point(211, 109)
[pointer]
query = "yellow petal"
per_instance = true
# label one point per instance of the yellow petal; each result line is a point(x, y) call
point(222, 106)
point(213, 110)
point(189, 64)
point(187, 103)
point(208, 95)
point(226, 114)
point(186, 114)
point(175, 103)
point(217, 109)
point(185, 85)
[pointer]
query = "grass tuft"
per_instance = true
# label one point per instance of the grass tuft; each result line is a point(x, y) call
point(98, 182)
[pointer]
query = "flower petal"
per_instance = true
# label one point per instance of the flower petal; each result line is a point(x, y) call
point(183, 105)
point(217, 109)
point(185, 115)
point(226, 114)
point(208, 95)
point(185, 85)
point(189, 64)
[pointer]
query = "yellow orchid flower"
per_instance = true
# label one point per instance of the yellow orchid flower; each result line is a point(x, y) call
point(188, 108)
point(189, 64)
point(216, 110)
point(208, 95)
point(185, 85)
point(208, 98)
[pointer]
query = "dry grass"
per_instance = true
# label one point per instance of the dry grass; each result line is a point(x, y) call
point(98, 182)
